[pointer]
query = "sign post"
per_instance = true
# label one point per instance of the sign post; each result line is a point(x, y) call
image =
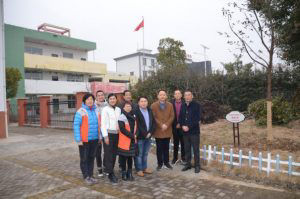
point(235, 117)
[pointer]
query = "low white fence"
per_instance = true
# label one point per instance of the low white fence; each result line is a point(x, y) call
point(273, 165)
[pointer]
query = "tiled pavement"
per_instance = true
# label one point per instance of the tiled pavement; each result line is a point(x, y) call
point(44, 163)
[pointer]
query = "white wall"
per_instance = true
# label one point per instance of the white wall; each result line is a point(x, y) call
point(48, 50)
point(132, 65)
point(55, 87)
point(128, 65)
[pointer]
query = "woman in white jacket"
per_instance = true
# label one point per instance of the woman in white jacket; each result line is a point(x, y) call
point(110, 132)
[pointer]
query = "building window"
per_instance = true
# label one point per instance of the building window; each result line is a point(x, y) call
point(55, 105)
point(34, 50)
point(144, 61)
point(54, 55)
point(74, 78)
point(118, 81)
point(131, 73)
point(83, 59)
point(36, 75)
point(95, 79)
point(151, 73)
point(71, 101)
point(68, 55)
point(55, 78)
point(152, 62)
point(145, 74)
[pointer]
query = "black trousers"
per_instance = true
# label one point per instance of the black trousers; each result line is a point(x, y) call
point(178, 138)
point(162, 150)
point(110, 152)
point(192, 141)
point(99, 156)
point(87, 153)
point(124, 160)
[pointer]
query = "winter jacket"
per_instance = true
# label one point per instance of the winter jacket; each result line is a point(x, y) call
point(141, 124)
point(190, 116)
point(165, 116)
point(109, 120)
point(86, 124)
point(127, 140)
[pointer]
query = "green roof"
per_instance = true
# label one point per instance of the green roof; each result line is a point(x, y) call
point(46, 37)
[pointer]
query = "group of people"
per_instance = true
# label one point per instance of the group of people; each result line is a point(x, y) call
point(125, 130)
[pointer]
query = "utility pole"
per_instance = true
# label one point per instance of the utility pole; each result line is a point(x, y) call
point(204, 49)
point(3, 111)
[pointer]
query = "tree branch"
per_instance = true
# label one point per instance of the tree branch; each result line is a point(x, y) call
point(261, 31)
point(247, 48)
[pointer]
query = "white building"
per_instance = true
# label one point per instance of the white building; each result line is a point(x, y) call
point(140, 64)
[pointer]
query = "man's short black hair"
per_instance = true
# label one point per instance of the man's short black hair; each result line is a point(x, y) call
point(188, 91)
point(126, 91)
point(111, 95)
point(142, 97)
point(161, 90)
point(99, 91)
point(86, 96)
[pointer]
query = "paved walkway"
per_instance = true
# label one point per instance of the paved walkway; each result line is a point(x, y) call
point(44, 163)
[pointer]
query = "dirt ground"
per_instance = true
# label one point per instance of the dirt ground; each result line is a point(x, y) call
point(286, 138)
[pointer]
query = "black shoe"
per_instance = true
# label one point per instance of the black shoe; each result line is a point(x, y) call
point(174, 161)
point(129, 175)
point(197, 169)
point(113, 179)
point(183, 162)
point(100, 173)
point(186, 167)
point(169, 166)
point(159, 167)
point(124, 176)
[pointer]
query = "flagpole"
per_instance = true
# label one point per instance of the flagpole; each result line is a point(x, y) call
point(143, 47)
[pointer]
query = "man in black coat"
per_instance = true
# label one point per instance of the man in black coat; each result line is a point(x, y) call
point(145, 129)
point(189, 121)
point(178, 102)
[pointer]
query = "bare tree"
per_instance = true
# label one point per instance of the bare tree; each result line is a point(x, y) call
point(252, 25)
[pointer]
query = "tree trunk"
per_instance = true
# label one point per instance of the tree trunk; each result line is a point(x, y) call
point(269, 104)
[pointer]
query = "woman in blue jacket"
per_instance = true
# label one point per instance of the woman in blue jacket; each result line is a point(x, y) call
point(86, 133)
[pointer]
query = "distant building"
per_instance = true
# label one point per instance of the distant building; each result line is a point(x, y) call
point(143, 63)
point(53, 63)
point(139, 64)
point(200, 68)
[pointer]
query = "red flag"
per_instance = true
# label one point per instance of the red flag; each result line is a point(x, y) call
point(141, 25)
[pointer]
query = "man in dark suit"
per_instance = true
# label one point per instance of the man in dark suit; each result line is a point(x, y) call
point(189, 121)
point(145, 128)
point(177, 102)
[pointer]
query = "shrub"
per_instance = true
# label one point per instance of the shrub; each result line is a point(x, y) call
point(212, 111)
point(282, 112)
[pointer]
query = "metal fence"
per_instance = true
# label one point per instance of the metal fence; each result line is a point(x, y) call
point(32, 114)
point(62, 114)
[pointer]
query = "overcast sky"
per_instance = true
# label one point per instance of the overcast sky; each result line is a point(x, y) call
point(111, 23)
